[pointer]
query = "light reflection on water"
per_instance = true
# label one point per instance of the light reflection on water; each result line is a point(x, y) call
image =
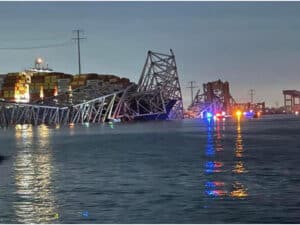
point(239, 190)
point(239, 142)
point(148, 175)
point(217, 188)
point(33, 173)
point(214, 145)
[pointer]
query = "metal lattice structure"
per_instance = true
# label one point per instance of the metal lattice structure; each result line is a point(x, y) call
point(96, 110)
point(158, 93)
point(215, 97)
point(291, 100)
point(157, 96)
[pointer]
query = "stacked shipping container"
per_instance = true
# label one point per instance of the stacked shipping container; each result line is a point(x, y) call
point(48, 83)
point(51, 83)
point(101, 79)
point(15, 87)
point(2, 78)
point(37, 84)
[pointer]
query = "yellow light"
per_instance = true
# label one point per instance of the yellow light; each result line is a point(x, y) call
point(55, 90)
point(27, 95)
point(42, 92)
point(238, 113)
point(22, 98)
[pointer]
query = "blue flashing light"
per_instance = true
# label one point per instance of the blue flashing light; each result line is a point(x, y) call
point(209, 115)
point(249, 114)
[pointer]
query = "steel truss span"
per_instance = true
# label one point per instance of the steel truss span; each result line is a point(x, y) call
point(215, 97)
point(93, 111)
point(158, 93)
point(156, 96)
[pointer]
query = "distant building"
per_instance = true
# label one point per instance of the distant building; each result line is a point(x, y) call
point(291, 100)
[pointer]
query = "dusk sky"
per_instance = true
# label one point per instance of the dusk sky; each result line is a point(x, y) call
point(251, 45)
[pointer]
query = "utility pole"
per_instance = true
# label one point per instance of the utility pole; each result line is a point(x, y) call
point(252, 92)
point(192, 90)
point(78, 38)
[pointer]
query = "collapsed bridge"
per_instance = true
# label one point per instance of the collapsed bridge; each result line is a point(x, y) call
point(156, 96)
point(215, 98)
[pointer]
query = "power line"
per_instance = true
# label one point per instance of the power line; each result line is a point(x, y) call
point(192, 87)
point(37, 47)
point(35, 38)
point(77, 38)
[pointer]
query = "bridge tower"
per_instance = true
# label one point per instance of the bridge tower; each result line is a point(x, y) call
point(160, 74)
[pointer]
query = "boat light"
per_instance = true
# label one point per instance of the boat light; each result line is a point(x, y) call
point(238, 113)
point(209, 115)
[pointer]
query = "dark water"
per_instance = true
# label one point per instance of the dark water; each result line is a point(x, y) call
point(156, 172)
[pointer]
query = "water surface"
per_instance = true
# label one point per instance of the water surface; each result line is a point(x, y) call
point(189, 171)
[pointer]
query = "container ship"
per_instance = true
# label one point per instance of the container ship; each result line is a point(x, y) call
point(41, 82)
point(40, 95)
